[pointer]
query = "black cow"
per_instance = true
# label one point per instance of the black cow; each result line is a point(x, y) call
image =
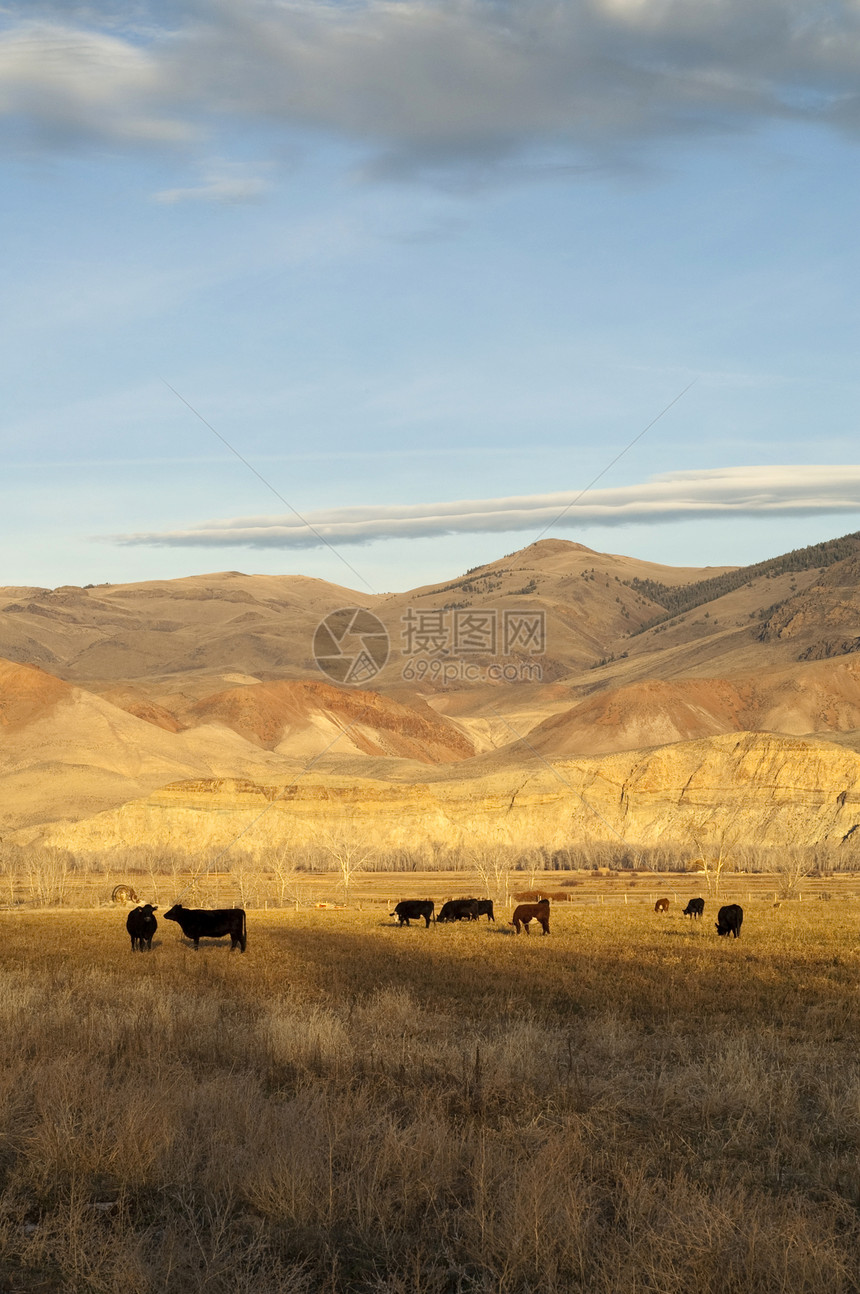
point(485, 908)
point(142, 925)
point(694, 908)
point(459, 910)
point(215, 923)
point(729, 920)
point(412, 910)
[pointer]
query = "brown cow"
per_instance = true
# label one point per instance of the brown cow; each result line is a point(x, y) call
point(662, 905)
point(526, 912)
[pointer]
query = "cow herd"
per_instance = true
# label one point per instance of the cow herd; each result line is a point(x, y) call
point(729, 918)
point(454, 910)
point(728, 921)
point(470, 910)
point(195, 924)
point(205, 923)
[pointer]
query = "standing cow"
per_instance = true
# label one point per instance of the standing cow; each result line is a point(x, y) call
point(729, 919)
point(459, 910)
point(413, 910)
point(215, 923)
point(527, 912)
point(694, 908)
point(142, 925)
point(662, 905)
point(485, 908)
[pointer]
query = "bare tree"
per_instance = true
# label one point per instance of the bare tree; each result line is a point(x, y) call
point(349, 855)
point(245, 876)
point(9, 868)
point(493, 863)
point(47, 873)
point(793, 864)
point(279, 862)
point(716, 856)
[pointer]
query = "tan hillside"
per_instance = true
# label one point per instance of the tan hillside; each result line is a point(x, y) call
point(205, 627)
point(204, 624)
point(66, 752)
point(823, 620)
point(738, 788)
point(301, 718)
point(72, 753)
point(823, 697)
point(27, 693)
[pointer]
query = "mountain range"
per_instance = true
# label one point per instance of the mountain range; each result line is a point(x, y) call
point(111, 693)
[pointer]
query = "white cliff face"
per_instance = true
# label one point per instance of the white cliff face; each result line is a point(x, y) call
point(749, 788)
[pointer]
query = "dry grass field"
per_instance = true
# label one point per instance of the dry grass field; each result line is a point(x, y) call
point(629, 1105)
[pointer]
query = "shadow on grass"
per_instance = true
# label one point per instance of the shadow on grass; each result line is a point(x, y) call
point(206, 945)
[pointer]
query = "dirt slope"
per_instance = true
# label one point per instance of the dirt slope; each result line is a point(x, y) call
point(299, 718)
point(820, 698)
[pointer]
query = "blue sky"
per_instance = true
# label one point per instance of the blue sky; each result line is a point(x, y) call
point(408, 254)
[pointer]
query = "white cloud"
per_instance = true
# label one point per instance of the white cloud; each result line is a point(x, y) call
point(226, 182)
point(65, 84)
point(677, 496)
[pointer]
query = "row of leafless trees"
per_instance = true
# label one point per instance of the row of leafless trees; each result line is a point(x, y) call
point(272, 875)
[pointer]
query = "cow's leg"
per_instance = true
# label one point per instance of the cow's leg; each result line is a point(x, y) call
point(526, 925)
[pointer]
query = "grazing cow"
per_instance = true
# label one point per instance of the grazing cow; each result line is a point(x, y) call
point(202, 923)
point(142, 925)
point(459, 910)
point(412, 910)
point(729, 920)
point(527, 912)
point(123, 894)
point(485, 908)
point(694, 908)
point(662, 905)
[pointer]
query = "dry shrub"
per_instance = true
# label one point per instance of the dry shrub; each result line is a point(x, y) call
point(534, 896)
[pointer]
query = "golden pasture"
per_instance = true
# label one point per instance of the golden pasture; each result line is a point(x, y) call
point(631, 1104)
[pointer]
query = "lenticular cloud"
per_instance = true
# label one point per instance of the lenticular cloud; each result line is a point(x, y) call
point(675, 496)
